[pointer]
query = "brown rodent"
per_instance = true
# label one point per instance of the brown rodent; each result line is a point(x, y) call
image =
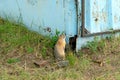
point(59, 49)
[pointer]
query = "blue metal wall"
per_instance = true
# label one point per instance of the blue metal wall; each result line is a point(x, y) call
point(43, 16)
point(100, 16)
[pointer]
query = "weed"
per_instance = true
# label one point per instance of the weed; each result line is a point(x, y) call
point(54, 38)
point(107, 60)
point(72, 59)
point(117, 76)
point(95, 45)
point(109, 38)
point(30, 50)
point(84, 63)
point(13, 60)
point(44, 54)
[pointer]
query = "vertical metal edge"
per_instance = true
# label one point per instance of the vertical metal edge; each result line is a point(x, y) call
point(77, 15)
point(83, 18)
point(79, 21)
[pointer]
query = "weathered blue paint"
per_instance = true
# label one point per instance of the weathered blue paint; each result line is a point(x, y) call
point(45, 16)
point(100, 16)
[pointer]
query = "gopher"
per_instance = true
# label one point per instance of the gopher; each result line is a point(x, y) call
point(59, 49)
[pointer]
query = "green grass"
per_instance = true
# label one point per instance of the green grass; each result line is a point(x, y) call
point(17, 36)
point(13, 60)
point(117, 76)
point(20, 47)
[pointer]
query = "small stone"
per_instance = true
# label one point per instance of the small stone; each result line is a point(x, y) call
point(42, 63)
point(63, 63)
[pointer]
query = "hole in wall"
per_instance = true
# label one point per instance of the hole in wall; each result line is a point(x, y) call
point(47, 29)
point(72, 42)
point(96, 19)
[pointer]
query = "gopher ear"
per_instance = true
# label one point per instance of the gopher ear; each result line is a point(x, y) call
point(63, 33)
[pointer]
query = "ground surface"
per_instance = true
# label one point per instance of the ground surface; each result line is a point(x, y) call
point(20, 48)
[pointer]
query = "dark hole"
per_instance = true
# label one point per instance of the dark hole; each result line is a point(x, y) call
point(96, 19)
point(48, 29)
point(72, 42)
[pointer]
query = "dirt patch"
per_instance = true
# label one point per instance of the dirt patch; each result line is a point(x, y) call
point(105, 62)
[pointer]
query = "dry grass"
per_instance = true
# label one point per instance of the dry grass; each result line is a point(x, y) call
point(19, 48)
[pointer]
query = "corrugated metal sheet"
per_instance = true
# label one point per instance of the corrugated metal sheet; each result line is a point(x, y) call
point(100, 16)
